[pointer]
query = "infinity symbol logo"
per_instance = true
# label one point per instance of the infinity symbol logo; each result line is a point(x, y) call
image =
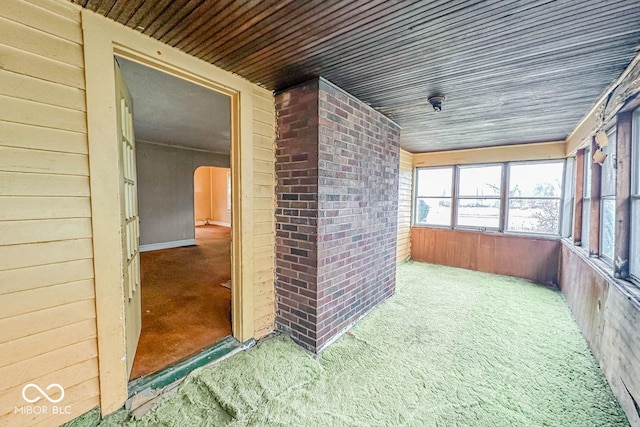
point(42, 392)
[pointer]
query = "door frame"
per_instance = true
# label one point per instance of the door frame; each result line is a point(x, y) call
point(104, 39)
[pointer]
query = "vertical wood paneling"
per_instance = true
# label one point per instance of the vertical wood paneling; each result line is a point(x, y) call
point(623, 158)
point(531, 258)
point(47, 296)
point(263, 211)
point(405, 192)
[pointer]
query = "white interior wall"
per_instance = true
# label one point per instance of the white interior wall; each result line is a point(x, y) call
point(166, 193)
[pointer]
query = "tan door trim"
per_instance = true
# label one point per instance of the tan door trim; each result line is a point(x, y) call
point(102, 40)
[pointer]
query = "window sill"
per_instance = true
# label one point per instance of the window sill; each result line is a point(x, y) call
point(629, 287)
point(491, 232)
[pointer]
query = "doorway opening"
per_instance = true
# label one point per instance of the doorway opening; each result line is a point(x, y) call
point(185, 269)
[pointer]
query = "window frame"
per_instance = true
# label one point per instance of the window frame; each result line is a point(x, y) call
point(611, 157)
point(586, 199)
point(568, 200)
point(416, 191)
point(499, 197)
point(634, 244)
point(561, 198)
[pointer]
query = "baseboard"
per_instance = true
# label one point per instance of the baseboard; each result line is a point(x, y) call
point(167, 245)
point(220, 223)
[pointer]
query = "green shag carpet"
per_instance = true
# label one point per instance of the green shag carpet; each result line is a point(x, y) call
point(451, 348)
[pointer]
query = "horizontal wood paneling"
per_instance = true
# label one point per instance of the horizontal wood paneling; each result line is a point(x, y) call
point(41, 276)
point(33, 89)
point(263, 212)
point(78, 394)
point(30, 369)
point(608, 317)
point(24, 160)
point(41, 19)
point(405, 194)
point(21, 208)
point(47, 291)
point(510, 153)
point(44, 320)
point(36, 41)
point(30, 64)
point(531, 258)
point(28, 184)
point(35, 113)
point(33, 345)
point(19, 135)
point(20, 232)
point(17, 303)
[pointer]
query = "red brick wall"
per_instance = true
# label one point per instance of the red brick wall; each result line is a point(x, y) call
point(358, 168)
point(297, 212)
point(337, 166)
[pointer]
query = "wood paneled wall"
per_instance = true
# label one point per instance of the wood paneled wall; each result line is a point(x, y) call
point(264, 234)
point(405, 194)
point(47, 301)
point(531, 258)
point(608, 318)
point(47, 288)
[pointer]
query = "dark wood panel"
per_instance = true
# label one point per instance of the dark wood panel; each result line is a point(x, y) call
point(624, 137)
point(608, 314)
point(513, 71)
point(531, 258)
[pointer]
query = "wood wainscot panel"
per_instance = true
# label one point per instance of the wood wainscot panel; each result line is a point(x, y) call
point(533, 258)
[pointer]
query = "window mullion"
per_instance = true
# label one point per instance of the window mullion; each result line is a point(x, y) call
point(454, 196)
point(504, 200)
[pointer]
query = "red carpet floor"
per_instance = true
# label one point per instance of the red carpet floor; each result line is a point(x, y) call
point(184, 306)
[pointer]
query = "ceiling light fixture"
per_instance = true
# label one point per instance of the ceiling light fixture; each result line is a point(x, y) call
point(436, 101)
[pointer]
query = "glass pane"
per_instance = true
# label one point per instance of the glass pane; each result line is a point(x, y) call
point(535, 180)
point(433, 211)
point(608, 227)
point(635, 238)
point(608, 178)
point(434, 182)
point(479, 213)
point(480, 181)
point(586, 206)
point(534, 216)
point(587, 173)
point(635, 152)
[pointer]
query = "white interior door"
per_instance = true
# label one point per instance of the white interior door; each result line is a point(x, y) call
point(129, 214)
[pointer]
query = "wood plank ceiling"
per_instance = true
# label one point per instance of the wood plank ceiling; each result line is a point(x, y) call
point(512, 71)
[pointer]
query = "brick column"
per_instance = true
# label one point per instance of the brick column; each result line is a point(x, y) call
point(337, 166)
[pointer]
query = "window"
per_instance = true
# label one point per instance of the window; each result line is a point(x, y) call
point(608, 200)
point(634, 267)
point(478, 202)
point(535, 197)
point(433, 196)
point(586, 199)
point(569, 197)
